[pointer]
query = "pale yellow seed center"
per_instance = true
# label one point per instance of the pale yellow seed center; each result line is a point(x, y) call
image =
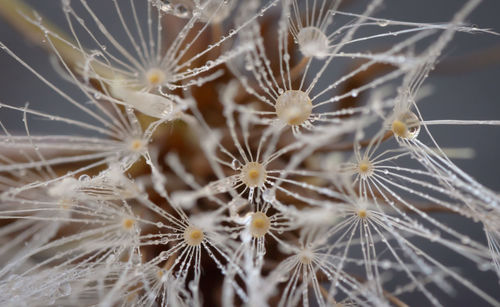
point(362, 213)
point(160, 274)
point(293, 107)
point(155, 76)
point(128, 224)
point(399, 128)
point(259, 225)
point(253, 174)
point(406, 125)
point(136, 145)
point(193, 236)
point(365, 168)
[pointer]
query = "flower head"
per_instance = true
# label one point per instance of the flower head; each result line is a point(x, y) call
point(238, 153)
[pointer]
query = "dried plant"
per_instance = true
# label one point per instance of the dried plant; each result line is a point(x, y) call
point(224, 152)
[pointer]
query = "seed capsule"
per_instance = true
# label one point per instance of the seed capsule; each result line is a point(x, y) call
point(293, 107)
point(406, 126)
point(253, 174)
point(362, 213)
point(365, 168)
point(128, 223)
point(193, 236)
point(155, 77)
point(306, 257)
point(313, 42)
point(259, 224)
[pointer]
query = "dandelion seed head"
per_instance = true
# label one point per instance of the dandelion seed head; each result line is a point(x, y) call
point(137, 145)
point(313, 42)
point(161, 274)
point(253, 174)
point(306, 256)
point(406, 126)
point(155, 77)
point(199, 84)
point(259, 224)
point(193, 236)
point(365, 168)
point(128, 223)
point(399, 128)
point(293, 107)
point(362, 213)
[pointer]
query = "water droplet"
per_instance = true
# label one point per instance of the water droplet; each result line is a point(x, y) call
point(84, 178)
point(235, 164)
point(383, 22)
point(385, 264)
point(180, 10)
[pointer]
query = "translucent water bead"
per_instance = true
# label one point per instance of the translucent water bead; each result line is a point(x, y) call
point(313, 42)
point(406, 126)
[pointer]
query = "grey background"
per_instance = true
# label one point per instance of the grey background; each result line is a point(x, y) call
point(472, 94)
point(469, 94)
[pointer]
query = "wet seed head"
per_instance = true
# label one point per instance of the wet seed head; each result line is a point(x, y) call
point(128, 223)
point(193, 236)
point(155, 77)
point(313, 42)
point(293, 107)
point(406, 126)
point(365, 168)
point(259, 225)
point(253, 174)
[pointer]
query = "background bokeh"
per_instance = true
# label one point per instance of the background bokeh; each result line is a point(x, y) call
point(465, 85)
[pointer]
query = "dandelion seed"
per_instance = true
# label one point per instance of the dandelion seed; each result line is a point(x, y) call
point(313, 42)
point(128, 224)
point(293, 107)
point(406, 126)
point(193, 236)
point(259, 224)
point(253, 174)
point(227, 164)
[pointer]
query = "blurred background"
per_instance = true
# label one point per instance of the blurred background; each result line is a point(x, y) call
point(465, 85)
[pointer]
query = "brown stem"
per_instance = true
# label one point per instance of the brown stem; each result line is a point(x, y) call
point(470, 62)
point(392, 298)
point(297, 69)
